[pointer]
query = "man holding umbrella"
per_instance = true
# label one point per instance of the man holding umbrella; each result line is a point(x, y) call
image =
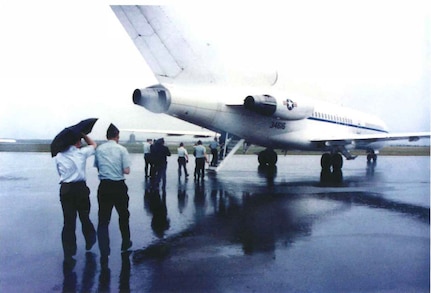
point(70, 158)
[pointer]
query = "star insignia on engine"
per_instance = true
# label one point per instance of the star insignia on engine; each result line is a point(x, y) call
point(290, 104)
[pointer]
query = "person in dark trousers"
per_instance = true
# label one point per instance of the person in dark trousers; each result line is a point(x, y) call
point(113, 162)
point(159, 154)
point(214, 152)
point(201, 158)
point(74, 196)
point(147, 154)
point(183, 158)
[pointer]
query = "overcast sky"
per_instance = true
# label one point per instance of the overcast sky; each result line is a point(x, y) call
point(64, 61)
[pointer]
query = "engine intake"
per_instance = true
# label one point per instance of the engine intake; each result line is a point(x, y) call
point(155, 98)
point(261, 104)
point(282, 108)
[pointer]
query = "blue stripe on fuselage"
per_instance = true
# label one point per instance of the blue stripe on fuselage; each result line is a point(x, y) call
point(347, 124)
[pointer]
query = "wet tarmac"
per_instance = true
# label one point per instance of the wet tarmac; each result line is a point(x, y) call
point(244, 229)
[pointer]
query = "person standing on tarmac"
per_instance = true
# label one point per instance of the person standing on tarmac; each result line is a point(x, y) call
point(214, 152)
point(147, 152)
point(74, 196)
point(201, 158)
point(159, 154)
point(183, 158)
point(113, 162)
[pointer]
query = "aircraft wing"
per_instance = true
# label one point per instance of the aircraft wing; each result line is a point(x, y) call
point(363, 139)
point(203, 133)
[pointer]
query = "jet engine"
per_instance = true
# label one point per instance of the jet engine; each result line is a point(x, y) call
point(286, 109)
point(155, 98)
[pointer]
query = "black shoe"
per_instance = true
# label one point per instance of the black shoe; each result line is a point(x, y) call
point(90, 244)
point(126, 247)
point(69, 263)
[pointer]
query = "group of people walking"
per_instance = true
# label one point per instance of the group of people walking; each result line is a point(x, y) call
point(155, 156)
point(113, 163)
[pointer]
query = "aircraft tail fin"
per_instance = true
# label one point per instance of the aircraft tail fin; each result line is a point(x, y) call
point(175, 55)
point(162, 41)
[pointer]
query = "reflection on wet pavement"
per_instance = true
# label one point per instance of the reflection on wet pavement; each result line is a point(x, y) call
point(283, 229)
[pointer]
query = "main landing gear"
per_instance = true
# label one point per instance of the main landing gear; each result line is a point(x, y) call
point(331, 168)
point(331, 162)
point(267, 157)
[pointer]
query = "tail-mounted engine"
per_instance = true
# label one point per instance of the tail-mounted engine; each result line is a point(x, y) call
point(286, 109)
point(156, 98)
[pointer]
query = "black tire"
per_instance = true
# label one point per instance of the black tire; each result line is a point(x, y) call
point(325, 161)
point(337, 162)
point(267, 157)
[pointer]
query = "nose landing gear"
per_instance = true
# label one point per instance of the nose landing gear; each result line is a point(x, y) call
point(371, 156)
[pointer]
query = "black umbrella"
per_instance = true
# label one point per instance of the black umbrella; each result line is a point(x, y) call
point(70, 135)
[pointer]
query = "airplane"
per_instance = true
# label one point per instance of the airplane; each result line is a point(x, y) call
point(7, 140)
point(246, 108)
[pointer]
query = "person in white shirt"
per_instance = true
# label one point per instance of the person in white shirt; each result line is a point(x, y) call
point(147, 152)
point(74, 195)
point(183, 158)
point(201, 158)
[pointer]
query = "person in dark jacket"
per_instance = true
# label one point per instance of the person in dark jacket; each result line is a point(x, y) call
point(159, 154)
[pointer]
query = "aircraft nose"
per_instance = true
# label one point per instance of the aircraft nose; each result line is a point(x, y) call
point(156, 99)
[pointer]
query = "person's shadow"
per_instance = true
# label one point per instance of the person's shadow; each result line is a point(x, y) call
point(89, 272)
point(155, 204)
point(104, 280)
point(160, 221)
point(124, 282)
point(70, 282)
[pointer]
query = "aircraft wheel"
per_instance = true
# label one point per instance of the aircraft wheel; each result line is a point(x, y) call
point(325, 161)
point(267, 157)
point(337, 162)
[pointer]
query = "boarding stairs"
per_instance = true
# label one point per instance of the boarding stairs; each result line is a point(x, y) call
point(227, 150)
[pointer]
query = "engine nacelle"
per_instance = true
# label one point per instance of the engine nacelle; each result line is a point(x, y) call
point(155, 98)
point(285, 109)
point(261, 104)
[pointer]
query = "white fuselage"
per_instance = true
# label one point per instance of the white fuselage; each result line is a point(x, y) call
point(223, 111)
point(200, 85)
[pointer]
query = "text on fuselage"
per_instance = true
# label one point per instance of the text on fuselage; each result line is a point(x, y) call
point(278, 125)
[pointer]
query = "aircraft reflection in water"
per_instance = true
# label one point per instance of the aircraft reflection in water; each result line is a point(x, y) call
point(257, 221)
